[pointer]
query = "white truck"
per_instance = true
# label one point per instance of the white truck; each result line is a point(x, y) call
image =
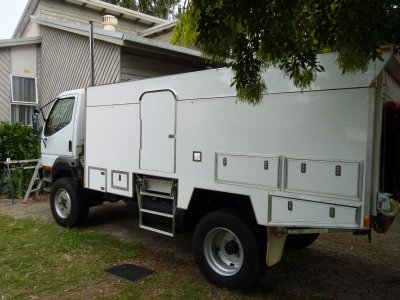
point(245, 178)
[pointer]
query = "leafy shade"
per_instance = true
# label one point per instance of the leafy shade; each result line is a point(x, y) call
point(159, 8)
point(250, 35)
point(18, 142)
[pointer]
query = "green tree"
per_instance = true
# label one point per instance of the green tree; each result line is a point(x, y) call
point(160, 8)
point(17, 142)
point(165, 9)
point(130, 4)
point(250, 35)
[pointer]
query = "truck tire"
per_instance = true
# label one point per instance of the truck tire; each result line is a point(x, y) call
point(300, 241)
point(227, 250)
point(67, 207)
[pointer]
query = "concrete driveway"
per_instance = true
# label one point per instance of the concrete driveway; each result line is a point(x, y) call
point(340, 265)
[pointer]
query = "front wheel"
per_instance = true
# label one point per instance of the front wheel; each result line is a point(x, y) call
point(227, 251)
point(66, 203)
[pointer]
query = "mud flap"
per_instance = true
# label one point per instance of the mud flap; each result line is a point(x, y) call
point(275, 245)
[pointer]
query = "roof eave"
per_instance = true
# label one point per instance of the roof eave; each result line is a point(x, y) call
point(118, 10)
point(158, 28)
point(161, 45)
point(24, 20)
point(20, 41)
point(113, 37)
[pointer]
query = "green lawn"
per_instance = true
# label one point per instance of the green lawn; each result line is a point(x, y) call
point(39, 260)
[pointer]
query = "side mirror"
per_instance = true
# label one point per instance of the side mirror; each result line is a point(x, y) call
point(35, 121)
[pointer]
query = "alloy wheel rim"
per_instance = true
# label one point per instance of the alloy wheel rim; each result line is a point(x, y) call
point(63, 203)
point(223, 251)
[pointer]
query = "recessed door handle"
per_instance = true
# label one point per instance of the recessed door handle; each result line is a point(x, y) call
point(171, 136)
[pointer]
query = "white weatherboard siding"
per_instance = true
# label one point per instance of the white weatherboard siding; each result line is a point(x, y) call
point(136, 67)
point(23, 61)
point(5, 92)
point(65, 63)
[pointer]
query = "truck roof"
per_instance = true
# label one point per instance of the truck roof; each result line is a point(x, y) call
point(216, 83)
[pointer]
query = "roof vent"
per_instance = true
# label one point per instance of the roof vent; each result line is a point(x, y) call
point(109, 22)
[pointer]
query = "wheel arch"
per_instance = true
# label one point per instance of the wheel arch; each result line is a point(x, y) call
point(204, 201)
point(67, 166)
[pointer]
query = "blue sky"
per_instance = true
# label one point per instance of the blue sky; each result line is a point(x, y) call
point(10, 12)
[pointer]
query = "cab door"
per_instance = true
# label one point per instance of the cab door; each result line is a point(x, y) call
point(58, 131)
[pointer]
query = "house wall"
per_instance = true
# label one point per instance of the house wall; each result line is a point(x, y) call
point(23, 60)
point(5, 92)
point(74, 13)
point(65, 63)
point(20, 61)
point(136, 67)
point(38, 70)
point(163, 36)
point(32, 29)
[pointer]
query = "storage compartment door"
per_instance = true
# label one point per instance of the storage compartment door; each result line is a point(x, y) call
point(157, 113)
point(295, 212)
point(335, 178)
point(120, 180)
point(97, 179)
point(248, 170)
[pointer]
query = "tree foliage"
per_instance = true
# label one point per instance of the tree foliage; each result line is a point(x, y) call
point(251, 35)
point(17, 142)
point(159, 8)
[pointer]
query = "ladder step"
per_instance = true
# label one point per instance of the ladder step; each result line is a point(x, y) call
point(158, 185)
point(157, 204)
point(153, 212)
point(156, 230)
point(156, 195)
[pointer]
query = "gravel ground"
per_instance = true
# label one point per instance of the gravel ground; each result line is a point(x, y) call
point(339, 265)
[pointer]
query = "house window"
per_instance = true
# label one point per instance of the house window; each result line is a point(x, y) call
point(23, 99)
point(21, 114)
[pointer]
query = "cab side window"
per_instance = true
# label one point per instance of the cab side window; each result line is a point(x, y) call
point(60, 115)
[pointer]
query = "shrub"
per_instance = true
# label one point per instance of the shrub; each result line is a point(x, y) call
point(17, 142)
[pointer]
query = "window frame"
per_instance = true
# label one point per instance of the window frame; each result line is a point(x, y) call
point(12, 90)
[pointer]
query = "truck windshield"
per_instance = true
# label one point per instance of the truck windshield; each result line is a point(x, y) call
point(60, 115)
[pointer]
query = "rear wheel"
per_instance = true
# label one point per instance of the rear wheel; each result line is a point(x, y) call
point(227, 250)
point(67, 207)
point(300, 241)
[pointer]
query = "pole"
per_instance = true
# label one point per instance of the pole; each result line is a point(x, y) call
point(91, 54)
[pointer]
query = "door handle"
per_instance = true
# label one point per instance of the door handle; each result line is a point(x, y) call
point(171, 136)
point(70, 146)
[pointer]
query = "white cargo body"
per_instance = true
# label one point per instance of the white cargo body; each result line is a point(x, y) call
point(310, 148)
point(299, 164)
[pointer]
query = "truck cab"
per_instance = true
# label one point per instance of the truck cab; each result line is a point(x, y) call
point(63, 134)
